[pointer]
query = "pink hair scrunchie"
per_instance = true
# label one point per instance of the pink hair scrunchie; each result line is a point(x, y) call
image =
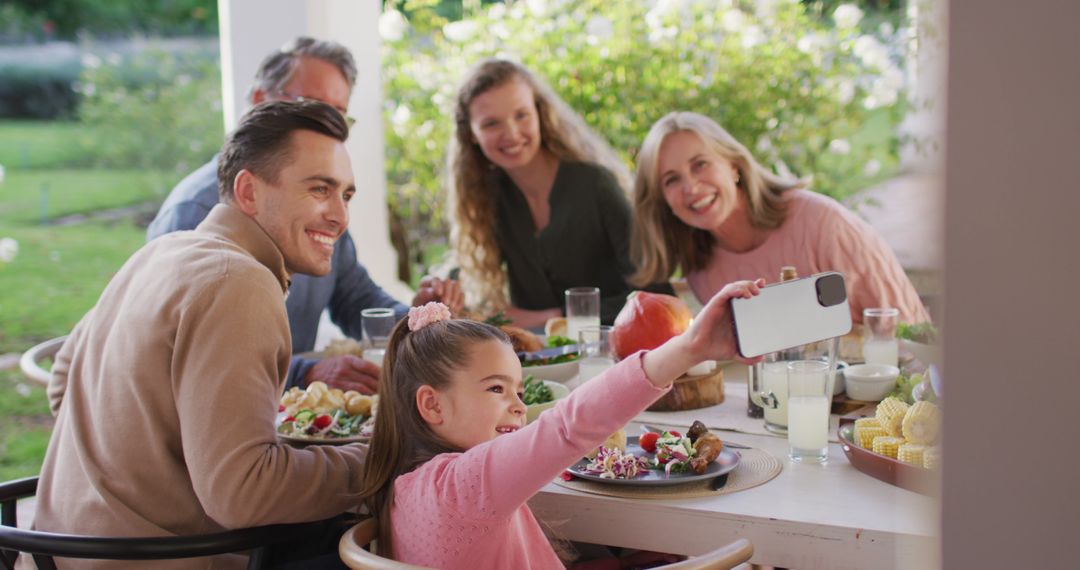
point(422, 316)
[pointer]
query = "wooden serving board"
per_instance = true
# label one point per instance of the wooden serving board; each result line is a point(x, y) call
point(844, 406)
point(692, 392)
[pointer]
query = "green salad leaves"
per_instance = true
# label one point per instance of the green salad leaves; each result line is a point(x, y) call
point(536, 392)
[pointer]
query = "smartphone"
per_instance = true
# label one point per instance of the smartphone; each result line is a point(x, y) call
point(791, 313)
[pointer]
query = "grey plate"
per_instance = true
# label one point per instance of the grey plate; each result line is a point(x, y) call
point(725, 462)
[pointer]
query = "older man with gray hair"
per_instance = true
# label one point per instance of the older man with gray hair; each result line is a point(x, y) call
point(309, 69)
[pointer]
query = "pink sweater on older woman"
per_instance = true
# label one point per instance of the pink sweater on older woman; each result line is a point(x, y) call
point(467, 510)
point(820, 235)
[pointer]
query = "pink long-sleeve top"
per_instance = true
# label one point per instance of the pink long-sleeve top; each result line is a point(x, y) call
point(820, 235)
point(467, 510)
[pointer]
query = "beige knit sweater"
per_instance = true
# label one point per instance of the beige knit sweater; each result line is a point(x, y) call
point(166, 394)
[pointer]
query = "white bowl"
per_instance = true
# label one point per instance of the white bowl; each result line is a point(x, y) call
point(838, 385)
point(557, 390)
point(870, 382)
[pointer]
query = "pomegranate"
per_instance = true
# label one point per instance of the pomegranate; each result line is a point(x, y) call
point(647, 321)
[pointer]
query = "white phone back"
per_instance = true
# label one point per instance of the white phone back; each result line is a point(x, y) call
point(786, 315)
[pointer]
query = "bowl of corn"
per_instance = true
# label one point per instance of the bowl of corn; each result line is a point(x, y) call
point(898, 445)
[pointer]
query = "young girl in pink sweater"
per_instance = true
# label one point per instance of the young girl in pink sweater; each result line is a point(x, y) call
point(452, 462)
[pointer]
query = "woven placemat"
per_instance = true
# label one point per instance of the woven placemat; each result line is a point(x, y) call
point(755, 467)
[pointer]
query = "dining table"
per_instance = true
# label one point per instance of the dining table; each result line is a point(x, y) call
point(827, 515)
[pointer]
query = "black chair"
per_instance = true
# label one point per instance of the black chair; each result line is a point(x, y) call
point(45, 545)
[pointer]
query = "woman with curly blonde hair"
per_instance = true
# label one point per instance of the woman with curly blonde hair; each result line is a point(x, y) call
point(702, 204)
point(532, 187)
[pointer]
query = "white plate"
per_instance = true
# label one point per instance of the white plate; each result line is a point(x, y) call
point(560, 372)
point(310, 440)
point(323, 440)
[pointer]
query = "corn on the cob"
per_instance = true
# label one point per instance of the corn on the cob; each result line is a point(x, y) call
point(887, 445)
point(866, 429)
point(911, 453)
point(867, 422)
point(890, 412)
point(932, 458)
point(922, 422)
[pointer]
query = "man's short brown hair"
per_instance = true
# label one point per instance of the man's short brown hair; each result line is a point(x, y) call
point(260, 144)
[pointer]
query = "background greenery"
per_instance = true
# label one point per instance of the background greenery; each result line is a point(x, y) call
point(794, 86)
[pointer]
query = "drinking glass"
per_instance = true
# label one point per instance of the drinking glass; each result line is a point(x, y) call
point(768, 387)
point(377, 325)
point(879, 336)
point(582, 310)
point(596, 355)
point(808, 411)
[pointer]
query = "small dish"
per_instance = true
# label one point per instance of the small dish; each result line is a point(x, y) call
point(870, 382)
point(557, 390)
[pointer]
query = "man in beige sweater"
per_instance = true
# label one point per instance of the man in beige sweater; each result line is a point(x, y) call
point(170, 384)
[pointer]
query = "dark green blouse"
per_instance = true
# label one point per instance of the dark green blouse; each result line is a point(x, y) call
point(586, 241)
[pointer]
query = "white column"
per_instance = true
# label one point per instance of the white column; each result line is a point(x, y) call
point(250, 29)
point(924, 124)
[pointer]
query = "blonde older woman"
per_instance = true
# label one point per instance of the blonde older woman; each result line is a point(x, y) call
point(533, 189)
point(703, 204)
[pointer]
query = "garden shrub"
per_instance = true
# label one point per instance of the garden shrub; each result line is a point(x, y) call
point(156, 110)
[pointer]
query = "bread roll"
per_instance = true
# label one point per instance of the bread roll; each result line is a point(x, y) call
point(616, 440)
point(523, 340)
point(556, 326)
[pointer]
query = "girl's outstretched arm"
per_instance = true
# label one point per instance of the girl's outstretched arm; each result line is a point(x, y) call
point(495, 478)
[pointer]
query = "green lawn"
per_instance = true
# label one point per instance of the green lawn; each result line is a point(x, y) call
point(27, 194)
point(45, 144)
point(58, 275)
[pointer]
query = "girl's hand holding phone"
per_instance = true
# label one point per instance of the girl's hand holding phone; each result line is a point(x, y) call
point(710, 337)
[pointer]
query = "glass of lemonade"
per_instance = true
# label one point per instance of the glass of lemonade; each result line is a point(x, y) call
point(596, 354)
point(808, 411)
point(582, 310)
point(879, 336)
point(377, 325)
